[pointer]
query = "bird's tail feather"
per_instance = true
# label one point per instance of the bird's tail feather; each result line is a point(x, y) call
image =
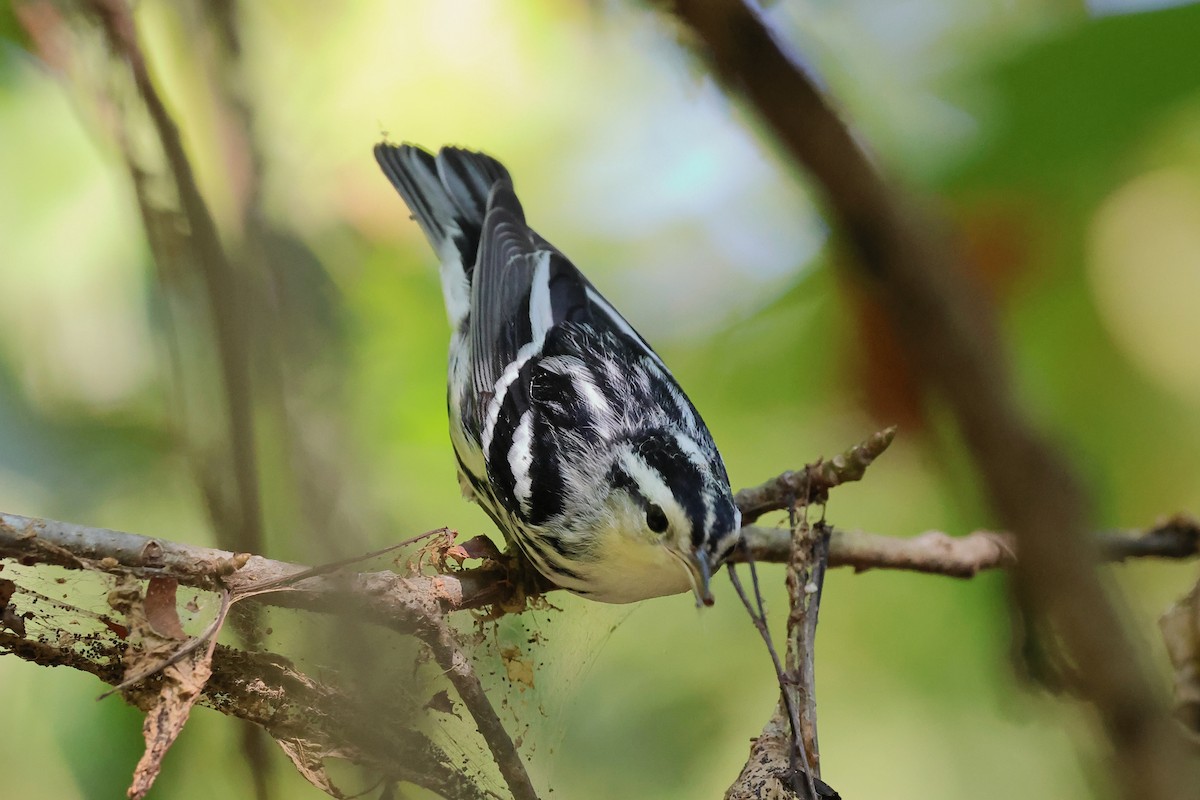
point(447, 193)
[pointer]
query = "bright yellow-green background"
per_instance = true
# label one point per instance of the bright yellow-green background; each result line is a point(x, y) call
point(1082, 128)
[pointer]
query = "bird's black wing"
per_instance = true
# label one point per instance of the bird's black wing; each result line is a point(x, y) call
point(521, 289)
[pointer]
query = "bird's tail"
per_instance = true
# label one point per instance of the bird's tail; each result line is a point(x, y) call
point(447, 193)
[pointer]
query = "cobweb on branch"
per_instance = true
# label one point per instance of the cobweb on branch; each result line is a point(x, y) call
point(533, 666)
point(69, 610)
point(530, 664)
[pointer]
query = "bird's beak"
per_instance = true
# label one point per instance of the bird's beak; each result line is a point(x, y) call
point(700, 561)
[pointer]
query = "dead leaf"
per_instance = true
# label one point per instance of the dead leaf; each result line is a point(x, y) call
point(160, 608)
point(120, 630)
point(1180, 627)
point(476, 547)
point(183, 682)
point(457, 553)
point(183, 677)
point(309, 760)
point(518, 668)
point(442, 702)
point(9, 618)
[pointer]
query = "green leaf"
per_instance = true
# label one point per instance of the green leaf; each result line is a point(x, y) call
point(1074, 103)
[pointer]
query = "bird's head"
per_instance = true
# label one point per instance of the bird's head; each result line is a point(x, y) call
point(670, 505)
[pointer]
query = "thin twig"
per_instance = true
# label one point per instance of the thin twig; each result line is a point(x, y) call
point(758, 617)
point(807, 640)
point(812, 484)
point(939, 553)
point(799, 685)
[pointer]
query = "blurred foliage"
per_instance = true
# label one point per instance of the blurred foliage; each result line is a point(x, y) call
point(1060, 142)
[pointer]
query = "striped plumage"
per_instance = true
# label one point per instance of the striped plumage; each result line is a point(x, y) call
point(569, 429)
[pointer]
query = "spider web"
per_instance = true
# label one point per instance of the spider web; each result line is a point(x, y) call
point(68, 609)
point(531, 664)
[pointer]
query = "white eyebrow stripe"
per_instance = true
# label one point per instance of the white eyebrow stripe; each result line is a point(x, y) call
point(652, 485)
point(703, 462)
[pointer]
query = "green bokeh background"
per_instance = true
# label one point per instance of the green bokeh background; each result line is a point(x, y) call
point(1059, 138)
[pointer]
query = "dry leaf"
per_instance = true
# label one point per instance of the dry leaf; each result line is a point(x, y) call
point(476, 547)
point(9, 618)
point(160, 608)
point(442, 702)
point(309, 760)
point(1180, 628)
point(182, 684)
point(518, 668)
point(182, 681)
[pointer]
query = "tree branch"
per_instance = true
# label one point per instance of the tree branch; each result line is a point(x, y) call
point(389, 599)
point(938, 553)
point(417, 604)
point(411, 606)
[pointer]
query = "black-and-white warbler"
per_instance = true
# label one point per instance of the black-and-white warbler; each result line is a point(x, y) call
point(569, 430)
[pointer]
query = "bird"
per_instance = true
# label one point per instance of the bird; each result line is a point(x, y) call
point(568, 429)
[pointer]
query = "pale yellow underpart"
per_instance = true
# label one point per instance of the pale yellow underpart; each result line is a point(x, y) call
point(630, 562)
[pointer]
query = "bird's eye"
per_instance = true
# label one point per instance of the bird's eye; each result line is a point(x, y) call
point(656, 518)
